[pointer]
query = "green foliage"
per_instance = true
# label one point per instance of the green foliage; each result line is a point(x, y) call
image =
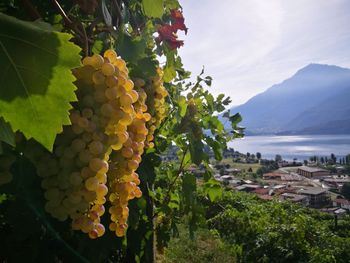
point(276, 232)
point(132, 49)
point(6, 133)
point(34, 99)
point(36, 80)
point(345, 191)
point(205, 247)
point(153, 8)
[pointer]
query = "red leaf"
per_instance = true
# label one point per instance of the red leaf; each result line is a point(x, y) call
point(179, 20)
point(167, 33)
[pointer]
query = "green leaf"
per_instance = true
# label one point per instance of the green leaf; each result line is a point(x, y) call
point(131, 49)
point(97, 47)
point(3, 198)
point(213, 189)
point(188, 187)
point(182, 106)
point(216, 147)
point(235, 119)
point(196, 147)
point(169, 73)
point(6, 133)
point(172, 4)
point(144, 68)
point(36, 80)
point(169, 70)
point(153, 8)
point(210, 101)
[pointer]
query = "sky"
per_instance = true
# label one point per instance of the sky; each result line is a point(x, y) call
point(249, 45)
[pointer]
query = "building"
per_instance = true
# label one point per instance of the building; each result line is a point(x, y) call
point(289, 164)
point(312, 171)
point(335, 211)
point(295, 198)
point(232, 171)
point(318, 197)
point(272, 176)
point(265, 197)
point(343, 203)
point(248, 187)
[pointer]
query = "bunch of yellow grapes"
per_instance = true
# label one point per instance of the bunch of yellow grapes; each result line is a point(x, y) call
point(155, 94)
point(95, 158)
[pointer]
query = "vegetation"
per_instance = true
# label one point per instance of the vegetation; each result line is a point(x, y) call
point(345, 191)
point(206, 246)
point(260, 231)
point(86, 110)
point(241, 166)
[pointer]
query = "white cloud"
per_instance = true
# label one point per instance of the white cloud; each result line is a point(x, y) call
point(249, 45)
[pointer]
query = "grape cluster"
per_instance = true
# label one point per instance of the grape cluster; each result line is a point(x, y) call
point(156, 94)
point(95, 158)
point(124, 179)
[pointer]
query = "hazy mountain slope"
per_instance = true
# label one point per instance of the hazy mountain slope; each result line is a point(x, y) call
point(299, 101)
point(336, 107)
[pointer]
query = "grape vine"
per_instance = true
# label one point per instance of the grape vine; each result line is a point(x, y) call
point(100, 168)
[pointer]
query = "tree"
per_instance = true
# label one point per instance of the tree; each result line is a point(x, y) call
point(345, 191)
point(333, 158)
point(306, 162)
point(258, 155)
point(248, 154)
point(278, 158)
point(347, 159)
point(322, 160)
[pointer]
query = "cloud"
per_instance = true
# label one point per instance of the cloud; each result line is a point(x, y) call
point(249, 45)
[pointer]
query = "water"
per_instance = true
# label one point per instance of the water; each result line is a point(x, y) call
point(298, 146)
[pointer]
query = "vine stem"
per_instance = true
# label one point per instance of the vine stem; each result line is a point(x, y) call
point(118, 11)
point(69, 23)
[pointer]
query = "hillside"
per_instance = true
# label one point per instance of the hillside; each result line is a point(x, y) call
point(314, 98)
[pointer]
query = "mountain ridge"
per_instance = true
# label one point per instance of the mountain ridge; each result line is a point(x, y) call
point(315, 95)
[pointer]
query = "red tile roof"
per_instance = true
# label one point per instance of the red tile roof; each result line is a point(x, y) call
point(273, 175)
point(342, 201)
point(265, 197)
point(261, 191)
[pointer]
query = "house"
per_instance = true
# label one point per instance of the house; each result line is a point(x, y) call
point(226, 178)
point(295, 198)
point(336, 211)
point(312, 171)
point(232, 171)
point(272, 176)
point(265, 197)
point(262, 191)
point(318, 197)
point(248, 187)
point(343, 203)
point(289, 164)
point(235, 182)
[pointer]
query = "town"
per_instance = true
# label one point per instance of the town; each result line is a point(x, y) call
point(321, 183)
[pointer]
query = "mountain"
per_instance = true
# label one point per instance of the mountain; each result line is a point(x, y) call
point(315, 100)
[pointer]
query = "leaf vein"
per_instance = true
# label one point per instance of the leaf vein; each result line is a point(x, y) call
point(20, 78)
point(29, 43)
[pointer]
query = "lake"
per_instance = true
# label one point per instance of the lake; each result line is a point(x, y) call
point(297, 146)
